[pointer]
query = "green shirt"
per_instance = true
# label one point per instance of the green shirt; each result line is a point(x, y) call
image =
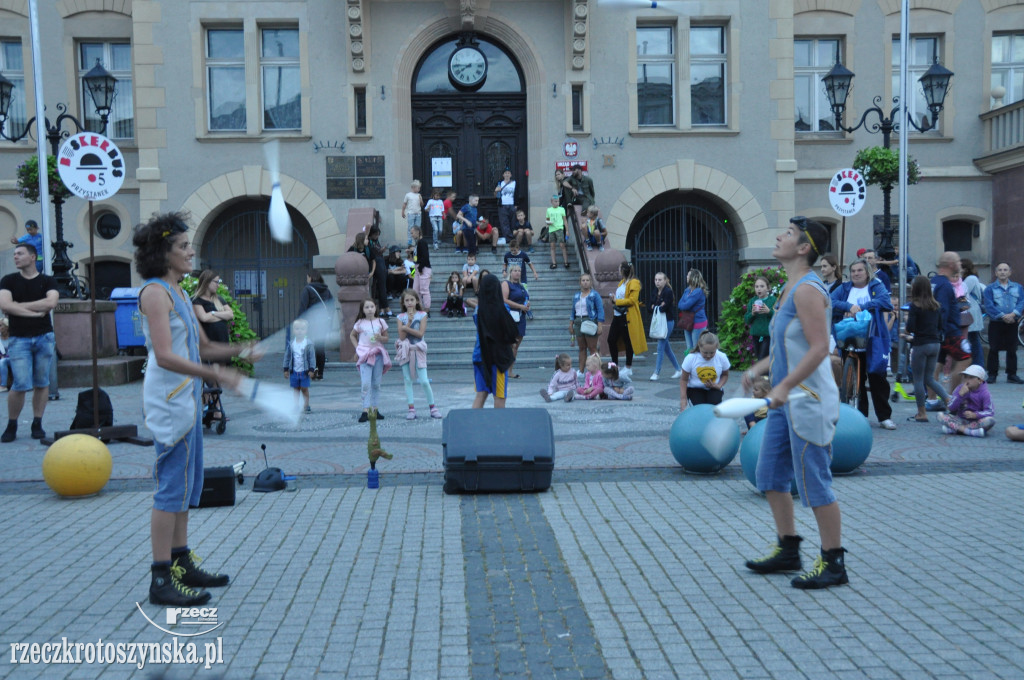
point(760, 324)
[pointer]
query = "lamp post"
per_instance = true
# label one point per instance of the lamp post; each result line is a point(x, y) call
point(102, 89)
point(935, 83)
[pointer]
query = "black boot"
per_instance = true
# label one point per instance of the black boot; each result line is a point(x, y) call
point(166, 588)
point(784, 556)
point(194, 577)
point(828, 570)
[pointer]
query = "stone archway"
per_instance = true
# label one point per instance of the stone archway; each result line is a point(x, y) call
point(747, 218)
point(513, 38)
point(207, 201)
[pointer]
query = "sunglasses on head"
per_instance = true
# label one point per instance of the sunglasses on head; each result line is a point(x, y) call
point(801, 223)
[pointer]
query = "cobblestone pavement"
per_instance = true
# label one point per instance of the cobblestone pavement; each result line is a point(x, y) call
point(626, 568)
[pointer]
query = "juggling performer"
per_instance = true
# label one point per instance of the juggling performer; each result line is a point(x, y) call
point(798, 441)
point(172, 395)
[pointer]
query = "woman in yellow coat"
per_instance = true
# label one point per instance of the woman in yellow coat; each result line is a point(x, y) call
point(627, 329)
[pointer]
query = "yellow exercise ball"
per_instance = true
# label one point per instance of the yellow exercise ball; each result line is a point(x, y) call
point(77, 465)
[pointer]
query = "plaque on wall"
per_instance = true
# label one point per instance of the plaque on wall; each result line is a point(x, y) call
point(341, 166)
point(341, 187)
point(370, 166)
point(370, 187)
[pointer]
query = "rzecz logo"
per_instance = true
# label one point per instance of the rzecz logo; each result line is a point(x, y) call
point(206, 617)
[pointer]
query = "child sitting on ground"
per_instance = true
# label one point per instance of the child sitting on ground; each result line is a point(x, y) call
point(563, 382)
point(471, 273)
point(761, 387)
point(618, 387)
point(970, 409)
point(593, 382)
point(453, 290)
point(300, 361)
point(705, 373)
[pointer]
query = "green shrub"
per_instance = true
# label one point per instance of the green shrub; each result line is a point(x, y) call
point(238, 329)
point(733, 332)
point(881, 167)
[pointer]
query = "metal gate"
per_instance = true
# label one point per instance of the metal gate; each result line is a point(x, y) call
point(265, 277)
point(678, 238)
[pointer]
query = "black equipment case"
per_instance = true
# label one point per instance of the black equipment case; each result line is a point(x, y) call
point(487, 450)
point(218, 487)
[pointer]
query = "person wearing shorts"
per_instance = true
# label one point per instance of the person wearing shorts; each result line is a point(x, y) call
point(27, 298)
point(948, 268)
point(172, 402)
point(555, 221)
point(496, 333)
point(797, 443)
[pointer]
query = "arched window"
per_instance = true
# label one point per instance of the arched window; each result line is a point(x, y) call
point(432, 73)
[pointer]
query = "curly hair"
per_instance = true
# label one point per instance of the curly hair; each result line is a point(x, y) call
point(152, 242)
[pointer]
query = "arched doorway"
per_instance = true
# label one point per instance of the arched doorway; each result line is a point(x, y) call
point(679, 231)
point(482, 130)
point(265, 277)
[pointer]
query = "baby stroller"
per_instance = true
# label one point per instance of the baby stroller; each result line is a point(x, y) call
point(212, 406)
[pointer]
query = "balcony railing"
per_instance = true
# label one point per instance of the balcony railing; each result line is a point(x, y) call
point(1004, 128)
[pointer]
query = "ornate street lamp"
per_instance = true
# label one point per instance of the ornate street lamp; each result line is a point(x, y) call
point(102, 89)
point(838, 84)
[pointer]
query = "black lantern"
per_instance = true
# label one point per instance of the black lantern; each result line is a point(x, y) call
point(935, 83)
point(6, 92)
point(837, 88)
point(102, 88)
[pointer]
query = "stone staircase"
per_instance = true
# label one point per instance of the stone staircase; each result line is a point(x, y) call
point(451, 340)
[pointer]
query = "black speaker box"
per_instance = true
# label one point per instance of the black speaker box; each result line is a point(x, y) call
point(495, 450)
point(218, 487)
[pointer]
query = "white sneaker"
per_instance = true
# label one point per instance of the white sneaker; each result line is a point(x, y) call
point(678, 374)
point(626, 372)
point(654, 377)
point(887, 424)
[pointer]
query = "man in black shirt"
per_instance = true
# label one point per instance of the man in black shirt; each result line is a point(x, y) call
point(27, 298)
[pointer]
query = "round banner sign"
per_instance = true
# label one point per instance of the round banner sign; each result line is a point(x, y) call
point(91, 166)
point(846, 192)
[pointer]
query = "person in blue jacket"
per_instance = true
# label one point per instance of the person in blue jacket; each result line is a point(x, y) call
point(949, 268)
point(1004, 304)
point(865, 292)
point(693, 300)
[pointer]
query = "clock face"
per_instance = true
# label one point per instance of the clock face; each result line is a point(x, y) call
point(467, 67)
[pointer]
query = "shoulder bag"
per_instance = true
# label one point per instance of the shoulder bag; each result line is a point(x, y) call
point(659, 326)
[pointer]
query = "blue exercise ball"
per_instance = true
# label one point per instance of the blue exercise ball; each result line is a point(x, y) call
point(701, 442)
point(750, 451)
point(852, 443)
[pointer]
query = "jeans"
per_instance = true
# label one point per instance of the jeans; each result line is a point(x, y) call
point(691, 337)
point(665, 350)
point(5, 364)
point(436, 224)
point(422, 379)
point(412, 219)
point(370, 377)
point(977, 354)
point(30, 361)
point(922, 364)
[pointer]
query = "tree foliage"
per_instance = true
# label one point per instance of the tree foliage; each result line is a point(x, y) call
point(733, 332)
point(28, 180)
point(238, 329)
point(881, 167)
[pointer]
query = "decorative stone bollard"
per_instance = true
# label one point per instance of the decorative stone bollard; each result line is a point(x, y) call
point(352, 274)
point(606, 277)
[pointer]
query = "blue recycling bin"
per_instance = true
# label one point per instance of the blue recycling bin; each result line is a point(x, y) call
point(127, 319)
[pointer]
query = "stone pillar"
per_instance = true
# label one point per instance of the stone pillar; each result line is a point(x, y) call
point(606, 277)
point(352, 274)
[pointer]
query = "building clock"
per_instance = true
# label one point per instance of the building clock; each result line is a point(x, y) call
point(467, 67)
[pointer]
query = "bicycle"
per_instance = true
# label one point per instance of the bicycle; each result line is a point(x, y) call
point(849, 384)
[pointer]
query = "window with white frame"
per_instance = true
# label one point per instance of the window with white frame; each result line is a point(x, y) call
point(1008, 66)
point(225, 79)
point(813, 58)
point(922, 53)
point(279, 63)
point(116, 58)
point(707, 75)
point(14, 70)
point(655, 75)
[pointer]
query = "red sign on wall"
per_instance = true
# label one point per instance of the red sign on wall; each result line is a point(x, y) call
point(566, 166)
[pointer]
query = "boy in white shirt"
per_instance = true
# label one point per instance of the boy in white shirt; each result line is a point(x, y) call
point(412, 207)
point(471, 273)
